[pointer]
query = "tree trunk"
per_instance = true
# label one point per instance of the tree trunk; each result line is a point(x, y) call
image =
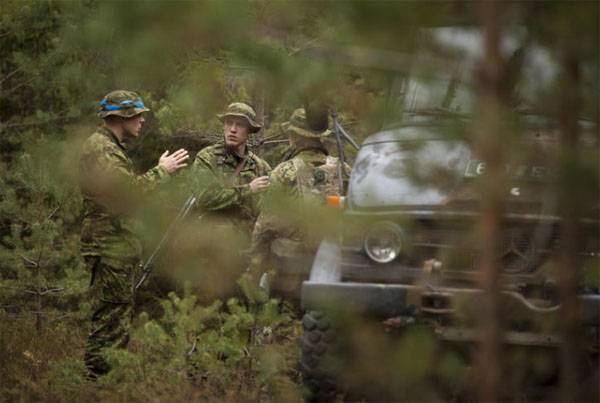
point(258, 100)
point(489, 143)
point(570, 191)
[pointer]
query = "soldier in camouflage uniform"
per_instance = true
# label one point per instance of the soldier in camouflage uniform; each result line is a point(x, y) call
point(309, 176)
point(233, 176)
point(228, 179)
point(111, 190)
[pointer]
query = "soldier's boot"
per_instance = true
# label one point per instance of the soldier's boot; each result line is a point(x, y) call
point(110, 328)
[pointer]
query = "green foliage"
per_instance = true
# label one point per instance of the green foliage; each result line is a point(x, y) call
point(408, 362)
point(44, 82)
point(221, 352)
point(188, 60)
point(39, 264)
point(40, 270)
point(31, 358)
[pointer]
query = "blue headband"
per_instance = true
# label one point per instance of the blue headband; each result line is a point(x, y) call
point(123, 105)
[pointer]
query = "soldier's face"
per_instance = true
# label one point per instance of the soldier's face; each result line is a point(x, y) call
point(132, 126)
point(236, 131)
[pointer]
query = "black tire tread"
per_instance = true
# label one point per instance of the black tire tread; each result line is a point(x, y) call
point(316, 341)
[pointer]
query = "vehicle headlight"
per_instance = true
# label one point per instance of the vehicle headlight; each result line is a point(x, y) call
point(383, 242)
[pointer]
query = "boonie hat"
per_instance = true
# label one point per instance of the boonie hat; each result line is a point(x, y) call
point(121, 103)
point(242, 110)
point(298, 125)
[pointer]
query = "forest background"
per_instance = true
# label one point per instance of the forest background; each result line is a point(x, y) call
point(188, 60)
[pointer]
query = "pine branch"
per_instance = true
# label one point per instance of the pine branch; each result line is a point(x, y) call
point(9, 75)
point(59, 119)
point(44, 313)
point(11, 306)
point(34, 292)
point(16, 87)
point(29, 261)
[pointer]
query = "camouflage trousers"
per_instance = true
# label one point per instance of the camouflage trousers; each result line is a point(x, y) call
point(111, 293)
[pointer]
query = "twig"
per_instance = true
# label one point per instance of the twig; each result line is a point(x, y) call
point(66, 315)
point(47, 121)
point(36, 292)
point(50, 290)
point(9, 75)
point(53, 212)
point(12, 305)
point(18, 289)
point(43, 313)
point(193, 348)
point(26, 259)
point(16, 87)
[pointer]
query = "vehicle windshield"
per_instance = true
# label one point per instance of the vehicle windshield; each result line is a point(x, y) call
point(454, 87)
point(407, 169)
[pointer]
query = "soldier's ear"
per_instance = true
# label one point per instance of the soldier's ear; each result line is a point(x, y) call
point(112, 119)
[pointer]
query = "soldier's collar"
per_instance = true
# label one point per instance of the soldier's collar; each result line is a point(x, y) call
point(230, 151)
point(320, 150)
point(107, 132)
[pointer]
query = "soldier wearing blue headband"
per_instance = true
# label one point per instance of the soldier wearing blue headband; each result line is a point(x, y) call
point(109, 246)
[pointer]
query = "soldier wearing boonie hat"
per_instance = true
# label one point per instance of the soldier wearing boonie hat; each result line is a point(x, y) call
point(310, 173)
point(242, 110)
point(240, 173)
point(121, 103)
point(109, 246)
point(298, 125)
point(228, 178)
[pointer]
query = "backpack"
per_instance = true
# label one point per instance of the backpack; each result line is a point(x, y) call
point(315, 183)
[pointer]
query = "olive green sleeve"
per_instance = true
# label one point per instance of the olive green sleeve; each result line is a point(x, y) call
point(268, 227)
point(108, 178)
point(260, 249)
point(122, 168)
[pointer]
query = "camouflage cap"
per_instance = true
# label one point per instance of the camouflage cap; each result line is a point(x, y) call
point(298, 125)
point(121, 103)
point(242, 110)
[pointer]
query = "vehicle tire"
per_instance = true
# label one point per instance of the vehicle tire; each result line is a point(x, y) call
point(591, 391)
point(318, 375)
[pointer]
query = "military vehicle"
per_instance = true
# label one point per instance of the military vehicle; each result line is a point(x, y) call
point(409, 251)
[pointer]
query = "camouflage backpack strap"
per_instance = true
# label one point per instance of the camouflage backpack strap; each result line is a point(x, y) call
point(219, 155)
point(258, 163)
point(239, 167)
point(320, 181)
point(304, 176)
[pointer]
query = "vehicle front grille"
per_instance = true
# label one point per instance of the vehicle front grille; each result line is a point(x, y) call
point(522, 249)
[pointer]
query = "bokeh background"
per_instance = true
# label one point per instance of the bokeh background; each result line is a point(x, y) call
point(373, 61)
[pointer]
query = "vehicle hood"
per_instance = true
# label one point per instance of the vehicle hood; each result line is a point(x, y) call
point(429, 167)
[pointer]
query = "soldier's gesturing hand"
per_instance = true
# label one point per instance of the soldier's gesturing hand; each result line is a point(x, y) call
point(175, 161)
point(259, 184)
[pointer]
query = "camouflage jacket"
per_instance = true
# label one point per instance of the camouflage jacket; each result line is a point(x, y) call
point(221, 195)
point(285, 177)
point(285, 182)
point(111, 190)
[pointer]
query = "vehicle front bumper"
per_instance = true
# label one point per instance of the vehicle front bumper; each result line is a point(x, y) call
point(390, 300)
